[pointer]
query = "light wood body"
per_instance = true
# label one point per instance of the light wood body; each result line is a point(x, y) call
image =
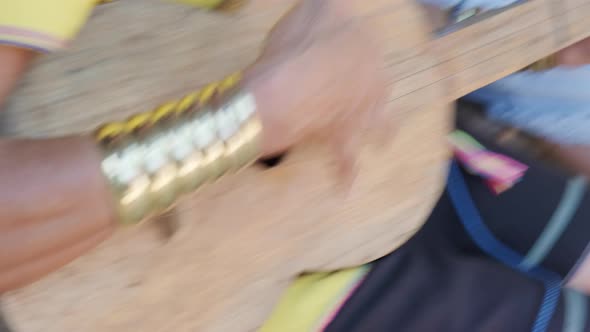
point(241, 241)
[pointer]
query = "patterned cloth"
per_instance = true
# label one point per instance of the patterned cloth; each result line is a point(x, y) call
point(497, 170)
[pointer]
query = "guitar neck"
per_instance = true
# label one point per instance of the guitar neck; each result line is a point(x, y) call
point(427, 67)
point(424, 67)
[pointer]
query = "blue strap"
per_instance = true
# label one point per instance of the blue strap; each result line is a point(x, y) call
point(486, 241)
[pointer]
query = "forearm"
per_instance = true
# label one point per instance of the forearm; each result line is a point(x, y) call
point(55, 205)
point(57, 202)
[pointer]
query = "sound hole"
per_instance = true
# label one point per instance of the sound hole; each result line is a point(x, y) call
point(273, 161)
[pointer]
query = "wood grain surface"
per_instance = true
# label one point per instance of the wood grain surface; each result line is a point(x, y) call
point(241, 241)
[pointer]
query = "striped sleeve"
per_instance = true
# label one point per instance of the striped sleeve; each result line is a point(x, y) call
point(40, 24)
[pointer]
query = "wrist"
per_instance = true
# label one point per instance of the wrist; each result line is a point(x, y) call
point(158, 156)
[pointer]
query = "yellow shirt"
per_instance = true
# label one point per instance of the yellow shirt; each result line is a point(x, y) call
point(313, 300)
point(41, 24)
point(48, 25)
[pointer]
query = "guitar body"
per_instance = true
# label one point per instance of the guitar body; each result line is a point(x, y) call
point(240, 242)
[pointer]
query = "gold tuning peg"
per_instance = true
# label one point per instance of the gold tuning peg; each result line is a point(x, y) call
point(216, 5)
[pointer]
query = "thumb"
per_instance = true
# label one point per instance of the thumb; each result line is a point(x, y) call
point(346, 146)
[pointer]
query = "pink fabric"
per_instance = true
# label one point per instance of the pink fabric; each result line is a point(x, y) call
point(499, 171)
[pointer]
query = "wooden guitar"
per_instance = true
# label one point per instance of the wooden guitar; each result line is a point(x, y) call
point(241, 241)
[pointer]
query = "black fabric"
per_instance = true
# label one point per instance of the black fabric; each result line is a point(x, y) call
point(441, 281)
